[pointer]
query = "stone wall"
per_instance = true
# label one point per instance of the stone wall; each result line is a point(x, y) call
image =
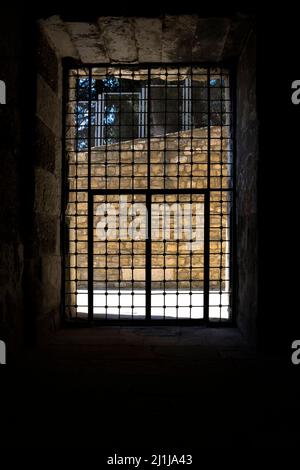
point(177, 160)
point(43, 260)
point(246, 169)
point(30, 174)
point(165, 38)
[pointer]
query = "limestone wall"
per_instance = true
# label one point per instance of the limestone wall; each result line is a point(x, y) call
point(177, 161)
point(43, 264)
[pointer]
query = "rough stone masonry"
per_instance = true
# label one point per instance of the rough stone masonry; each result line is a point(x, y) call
point(176, 159)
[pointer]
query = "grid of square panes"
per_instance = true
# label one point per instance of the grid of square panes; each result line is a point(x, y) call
point(149, 129)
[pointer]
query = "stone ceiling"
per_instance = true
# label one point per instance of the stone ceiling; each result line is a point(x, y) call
point(135, 39)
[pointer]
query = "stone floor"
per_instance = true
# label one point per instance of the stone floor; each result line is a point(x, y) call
point(153, 387)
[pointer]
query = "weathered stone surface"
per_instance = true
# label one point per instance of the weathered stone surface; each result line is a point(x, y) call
point(46, 193)
point(51, 280)
point(59, 36)
point(46, 234)
point(44, 147)
point(168, 39)
point(180, 157)
point(148, 34)
point(41, 278)
point(178, 37)
point(43, 248)
point(119, 38)
point(11, 264)
point(48, 106)
point(88, 42)
point(47, 62)
point(210, 37)
point(44, 287)
point(189, 161)
point(237, 34)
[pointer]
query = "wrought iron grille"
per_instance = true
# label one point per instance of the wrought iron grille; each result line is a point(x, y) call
point(149, 172)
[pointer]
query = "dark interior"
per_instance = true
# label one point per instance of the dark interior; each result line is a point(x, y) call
point(178, 386)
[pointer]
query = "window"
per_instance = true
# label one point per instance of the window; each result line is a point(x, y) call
point(150, 198)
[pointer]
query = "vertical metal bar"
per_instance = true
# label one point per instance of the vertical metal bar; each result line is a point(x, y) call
point(102, 137)
point(106, 254)
point(104, 142)
point(141, 113)
point(233, 221)
point(190, 100)
point(97, 128)
point(222, 194)
point(100, 121)
point(164, 197)
point(90, 257)
point(229, 161)
point(179, 125)
point(148, 205)
point(206, 257)
point(119, 183)
point(207, 213)
point(148, 257)
point(76, 186)
point(90, 211)
point(145, 112)
point(190, 128)
point(133, 297)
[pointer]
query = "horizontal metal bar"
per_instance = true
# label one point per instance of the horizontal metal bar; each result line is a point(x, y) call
point(71, 63)
point(180, 322)
point(152, 191)
point(147, 191)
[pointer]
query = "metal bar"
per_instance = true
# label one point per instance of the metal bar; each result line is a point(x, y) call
point(73, 63)
point(148, 205)
point(207, 214)
point(148, 266)
point(151, 191)
point(90, 213)
point(108, 181)
point(76, 185)
point(233, 221)
point(179, 124)
point(164, 179)
point(119, 183)
point(90, 257)
point(206, 258)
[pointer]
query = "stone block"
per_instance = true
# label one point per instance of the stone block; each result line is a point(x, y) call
point(56, 30)
point(47, 193)
point(88, 41)
point(46, 234)
point(119, 38)
point(48, 106)
point(44, 146)
point(210, 36)
point(177, 38)
point(47, 62)
point(148, 34)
